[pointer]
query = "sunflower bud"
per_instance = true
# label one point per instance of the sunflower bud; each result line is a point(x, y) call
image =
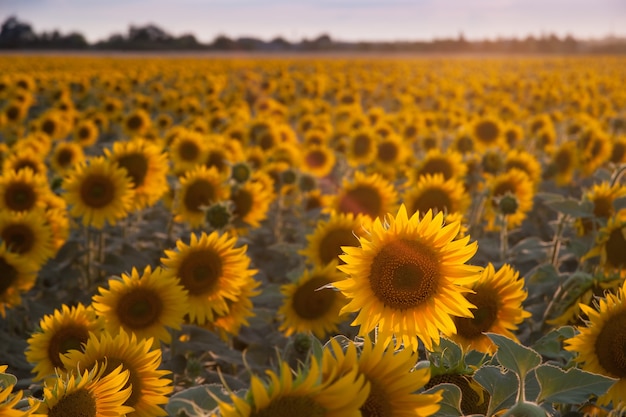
point(241, 172)
point(218, 216)
point(508, 204)
point(288, 176)
point(307, 183)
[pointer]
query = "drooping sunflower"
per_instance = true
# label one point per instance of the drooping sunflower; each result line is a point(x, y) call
point(449, 164)
point(212, 270)
point(594, 149)
point(602, 196)
point(325, 243)
point(390, 375)
point(251, 202)
point(433, 192)
point(28, 234)
point(22, 190)
point(618, 150)
point(611, 245)
point(18, 276)
point(94, 393)
point(147, 168)
point(99, 191)
point(310, 305)
point(65, 156)
point(408, 279)
point(300, 395)
point(370, 195)
point(600, 343)
point(149, 385)
point(146, 305)
point(238, 311)
point(59, 332)
point(199, 188)
point(318, 160)
point(516, 185)
point(498, 297)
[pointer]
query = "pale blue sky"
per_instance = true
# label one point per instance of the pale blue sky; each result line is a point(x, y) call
point(342, 19)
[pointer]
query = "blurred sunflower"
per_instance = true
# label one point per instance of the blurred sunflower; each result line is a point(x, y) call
point(149, 387)
point(474, 398)
point(93, 393)
point(310, 305)
point(563, 163)
point(600, 344)
point(53, 124)
point(611, 245)
point(318, 160)
point(17, 161)
point(408, 279)
point(525, 162)
point(370, 195)
point(498, 297)
point(618, 150)
point(238, 311)
point(187, 151)
point(433, 192)
point(594, 149)
point(99, 191)
point(86, 133)
point(146, 305)
point(302, 394)
point(391, 377)
point(325, 244)
point(18, 276)
point(449, 164)
point(361, 148)
point(136, 123)
point(147, 168)
point(487, 132)
point(27, 234)
point(602, 196)
point(65, 156)
point(199, 188)
point(514, 185)
point(58, 333)
point(251, 202)
point(212, 270)
point(391, 152)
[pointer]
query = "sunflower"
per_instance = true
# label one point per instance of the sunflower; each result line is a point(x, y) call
point(94, 393)
point(187, 150)
point(86, 133)
point(17, 161)
point(514, 184)
point(53, 124)
point(28, 234)
point(407, 279)
point(525, 162)
point(325, 244)
point(212, 270)
point(238, 311)
point(594, 149)
point(618, 150)
point(99, 191)
point(318, 160)
point(390, 152)
point(147, 306)
point(149, 387)
point(390, 375)
point(602, 196)
point(300, 395)
point(498, 297)
point(600, 343)
point(147, 168)
point(611, 245)
point(487, 132)
point(59, 332)
point(310, 305)
point(136, 123)
point(251, 202)
point(449, 164)
point(563, 163)
point(217, 155)
point(198, 189)
point(9, 400)
point(361, 148)
point(370, 195)
point(22, 190)
point(18, 276)
point(433, 192)
point(65, 156)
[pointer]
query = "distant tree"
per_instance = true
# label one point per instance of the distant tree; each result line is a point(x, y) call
point(15, 34)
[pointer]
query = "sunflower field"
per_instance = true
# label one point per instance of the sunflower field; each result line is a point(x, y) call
point(312, 236)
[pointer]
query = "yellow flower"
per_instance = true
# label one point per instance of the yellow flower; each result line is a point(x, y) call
point(22, 190)
point(65, 156)
point(318, 160)
point(18, 276)
point(433, 192)
point(9, 400)
point(450, 164)
point(408, 279)
point(370, 195)
point(198, 189)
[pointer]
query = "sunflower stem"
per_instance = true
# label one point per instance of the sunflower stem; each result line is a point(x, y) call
point(556, 241)
point(617, 175)
point(504, 238)
point(475, 214)
point(101, 253)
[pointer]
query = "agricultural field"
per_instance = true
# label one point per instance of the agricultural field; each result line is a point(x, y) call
point(312, 236)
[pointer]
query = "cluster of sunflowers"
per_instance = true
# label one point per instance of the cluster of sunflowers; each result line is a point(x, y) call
point(360, 218)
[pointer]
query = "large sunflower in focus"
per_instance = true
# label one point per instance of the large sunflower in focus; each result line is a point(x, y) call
point(147, 168)
point(392, 380)
point(17, 275)
point(65, 329)
point(212, 270)
point(146, 305)
point(198, 189)
point(300, 395)
point(94, 393)
point(408, 279)
point(601, 343)
point(370, 195)
point(99, 191)
point(498, 297)
point(310, 305)
point(150, 388)
point(433, 192)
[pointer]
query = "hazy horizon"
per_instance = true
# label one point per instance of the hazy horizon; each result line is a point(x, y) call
point(344, 20)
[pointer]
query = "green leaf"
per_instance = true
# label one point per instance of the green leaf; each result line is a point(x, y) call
point(572, 207)
point(7, 380)
point(519, 359)
point(450, 404)
point(571, 386)
point(195, 401)
point(447, 355)
point(501, 384)
point(550, 345)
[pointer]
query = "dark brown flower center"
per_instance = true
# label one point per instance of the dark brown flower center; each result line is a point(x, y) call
point(610, 346)
point(290, 406)
point(361, 145)
point(20, 196)
point(363, 199)
point(388, 152)
point(331, 243)
point(315, 158)
point(18, 237)
point(188, 151)
point(80, 403)
point(200, 271)
point(243, 202)
point(134, 122)
point(311, 301)
point(435, 199)
point(485, 314)
point(8, 275)
point(378, 403)
point(97, 191)
point(615, 248)
point(486, 131)
point(69, 337)
point(64, 157)
point(200, 193)
point(139, 308)
point(136, 165)
point(437, 166)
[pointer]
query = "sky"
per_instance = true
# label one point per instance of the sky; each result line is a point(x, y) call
point(346, 20)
